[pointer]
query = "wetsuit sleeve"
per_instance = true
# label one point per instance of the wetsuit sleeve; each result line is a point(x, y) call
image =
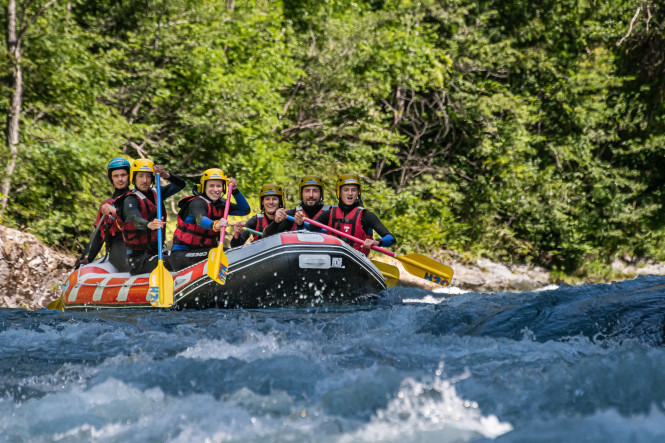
point(324, 218)
point(199, 210)
point(283, 226)
point(132, 213)
point(244, 235)
point(370, 222)
point(96, 243)
point(241, 207)
point(176, 184)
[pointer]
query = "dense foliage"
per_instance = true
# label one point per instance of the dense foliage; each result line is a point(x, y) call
point(522, 131)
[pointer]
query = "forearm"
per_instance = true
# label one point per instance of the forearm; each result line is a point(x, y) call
point(271, 229)
point(205, 222)
point(139, 222)
point(241, 206)
point(175, 185)
point(133, 214)
point(372, 223)
point(95, 246)
point(240, 240)
point(198, 209)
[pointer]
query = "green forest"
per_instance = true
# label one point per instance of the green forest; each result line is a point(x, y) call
point(524, 132)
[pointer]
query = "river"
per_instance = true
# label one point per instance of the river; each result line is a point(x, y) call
point(575, 363)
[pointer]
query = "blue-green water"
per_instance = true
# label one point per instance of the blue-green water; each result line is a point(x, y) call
point(583, 363)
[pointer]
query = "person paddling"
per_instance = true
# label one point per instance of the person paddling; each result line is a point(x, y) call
point(200, 218)
point(350, 217)
point(110, 232)
point(271, 198)
point(138, 211)
point(311, 190)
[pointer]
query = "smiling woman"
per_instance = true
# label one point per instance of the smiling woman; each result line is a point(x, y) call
point(272, 209)
point(200, 218)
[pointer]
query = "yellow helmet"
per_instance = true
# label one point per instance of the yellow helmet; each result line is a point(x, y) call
point(211, 174)
point(268, 190)
point(310, 180)
point(141, 165)
point(348, 179)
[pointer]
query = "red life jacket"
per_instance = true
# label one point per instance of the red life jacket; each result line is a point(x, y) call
point(135, 239)
point(351, 224)
point(261, 223)
point(191, 234)
point(111, 224)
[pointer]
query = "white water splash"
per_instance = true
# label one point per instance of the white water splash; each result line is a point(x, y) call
point(255, 346)
point(430, 412)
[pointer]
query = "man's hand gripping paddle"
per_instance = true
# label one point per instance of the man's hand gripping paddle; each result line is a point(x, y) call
point(218, 264)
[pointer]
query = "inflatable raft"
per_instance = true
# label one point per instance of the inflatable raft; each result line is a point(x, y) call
point(295, 269)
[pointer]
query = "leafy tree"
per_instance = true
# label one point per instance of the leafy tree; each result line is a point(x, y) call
point(517, 130)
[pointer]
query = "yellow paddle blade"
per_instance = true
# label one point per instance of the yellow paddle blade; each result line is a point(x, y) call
point(218, 265)
point(58, 305)
point(427, 268)
point(390, 272)
point(161, 287)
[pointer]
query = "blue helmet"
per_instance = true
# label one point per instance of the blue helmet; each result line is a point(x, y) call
point(117, 163)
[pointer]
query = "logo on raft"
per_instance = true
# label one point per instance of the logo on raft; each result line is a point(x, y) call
point(436, 279)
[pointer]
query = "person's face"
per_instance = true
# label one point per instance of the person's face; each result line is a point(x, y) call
point(348, 194)
point(214, 189)
point(270, 204)
point(143, 180)
point(311, 195)
point(120, 178)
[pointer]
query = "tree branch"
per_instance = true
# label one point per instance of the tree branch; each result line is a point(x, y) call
point(630, 28)
point(34, 18)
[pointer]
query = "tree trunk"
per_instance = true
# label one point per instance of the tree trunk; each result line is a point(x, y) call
point(14, 47)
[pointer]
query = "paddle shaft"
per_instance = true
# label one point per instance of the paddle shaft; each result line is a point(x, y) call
point(418, 264)
point(161, 281)
point(350, 237)
point(159, 216)
point(226, 213)
point(441, 274)
point(253, 231)
point(217, 261)
point(288, 217)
